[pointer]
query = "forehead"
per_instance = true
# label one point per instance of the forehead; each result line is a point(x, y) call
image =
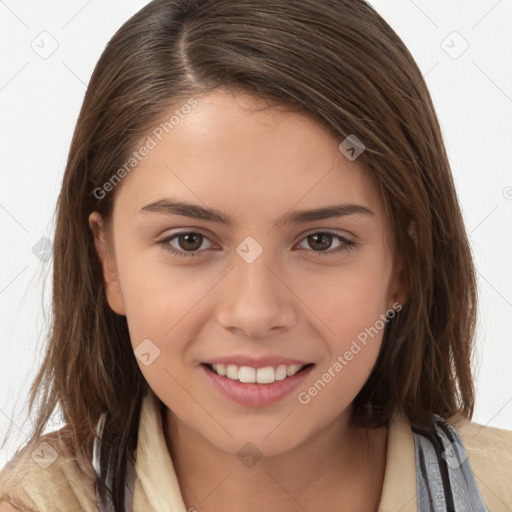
point(236, 152)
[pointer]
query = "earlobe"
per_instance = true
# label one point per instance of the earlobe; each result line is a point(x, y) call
point(108, 264)
point(398, 291)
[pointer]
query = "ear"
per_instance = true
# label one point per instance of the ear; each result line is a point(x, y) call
point(397, 289)
point(107, 259)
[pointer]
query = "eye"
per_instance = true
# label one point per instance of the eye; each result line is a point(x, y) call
point(322, 240)
point(188, 243)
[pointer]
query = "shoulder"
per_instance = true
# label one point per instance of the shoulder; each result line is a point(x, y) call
point(30, 480)
point(5, 507)
point(489, 451)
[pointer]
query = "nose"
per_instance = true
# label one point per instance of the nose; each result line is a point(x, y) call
point(255, 300)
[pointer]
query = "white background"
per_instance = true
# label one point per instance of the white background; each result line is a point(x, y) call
point(40, 100)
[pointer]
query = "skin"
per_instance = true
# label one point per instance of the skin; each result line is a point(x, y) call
point(255, 165)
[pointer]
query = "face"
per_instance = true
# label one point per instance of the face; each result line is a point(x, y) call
point(247, 276)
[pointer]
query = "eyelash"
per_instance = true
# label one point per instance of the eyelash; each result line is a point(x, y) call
point(348, 245)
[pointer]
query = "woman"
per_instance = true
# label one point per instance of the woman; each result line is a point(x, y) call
point(264, 296)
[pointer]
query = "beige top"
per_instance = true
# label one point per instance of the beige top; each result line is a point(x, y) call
point(64, 486)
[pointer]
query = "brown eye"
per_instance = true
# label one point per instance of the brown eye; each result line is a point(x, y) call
point(320, 241)
point(186, 243)
point(190, 241)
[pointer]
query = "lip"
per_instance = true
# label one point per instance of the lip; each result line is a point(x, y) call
point(256, 362)
point(255, 395)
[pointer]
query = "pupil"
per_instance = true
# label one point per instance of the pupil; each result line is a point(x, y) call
point(322, 238)
point(189, 240)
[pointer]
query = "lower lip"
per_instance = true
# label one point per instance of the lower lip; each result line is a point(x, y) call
point(255, 395)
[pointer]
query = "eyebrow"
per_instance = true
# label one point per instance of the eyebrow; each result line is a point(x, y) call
point(170, 207)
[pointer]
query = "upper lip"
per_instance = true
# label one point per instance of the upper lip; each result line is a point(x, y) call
point(256, 362)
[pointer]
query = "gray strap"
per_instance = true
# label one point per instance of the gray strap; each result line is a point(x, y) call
point(444, 477)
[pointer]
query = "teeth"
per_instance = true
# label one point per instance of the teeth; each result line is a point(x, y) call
point(220, 369)
point(248, 374)
point(293, 369)
point(232, 372)
point(281, 372)
point(265, 375)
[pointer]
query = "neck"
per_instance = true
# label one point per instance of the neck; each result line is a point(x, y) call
point(340, 468)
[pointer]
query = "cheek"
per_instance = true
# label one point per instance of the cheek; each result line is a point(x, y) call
point(161, 311)
point(157, 298)
point(351, 304)
point(348, 300)
point(357, 324)
point(165, 310)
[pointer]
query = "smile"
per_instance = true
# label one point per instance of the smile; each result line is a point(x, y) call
point(265, 375)
point(255, 387)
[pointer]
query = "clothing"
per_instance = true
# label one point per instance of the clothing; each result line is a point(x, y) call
point(64, 486)
point(443, 474)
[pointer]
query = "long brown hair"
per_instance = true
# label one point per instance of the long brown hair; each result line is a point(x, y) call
point(336, 60)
